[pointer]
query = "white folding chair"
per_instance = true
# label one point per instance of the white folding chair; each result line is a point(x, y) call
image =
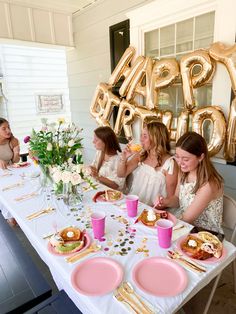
point(229, 224)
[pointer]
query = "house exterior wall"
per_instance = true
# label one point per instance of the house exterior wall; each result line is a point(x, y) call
point(89, 62)
point(28, 72)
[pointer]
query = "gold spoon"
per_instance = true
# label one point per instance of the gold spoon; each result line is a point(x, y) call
point(128, 288)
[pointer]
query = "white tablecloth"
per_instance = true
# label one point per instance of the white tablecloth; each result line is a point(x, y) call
point(115, 235)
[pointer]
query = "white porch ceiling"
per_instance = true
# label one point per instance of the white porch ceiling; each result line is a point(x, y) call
point(69, 6)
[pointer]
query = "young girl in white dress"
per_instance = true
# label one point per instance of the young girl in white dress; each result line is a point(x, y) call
point(154, 171)
point(199, 193)
point(104, 166)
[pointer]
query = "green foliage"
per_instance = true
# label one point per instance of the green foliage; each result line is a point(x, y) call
point(56, 145)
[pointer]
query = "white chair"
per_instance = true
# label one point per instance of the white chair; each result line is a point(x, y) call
point(229, 224)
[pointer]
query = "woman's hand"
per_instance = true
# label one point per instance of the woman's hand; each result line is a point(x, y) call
point(94, 172)
point(127, 152)
point(3, 164)
point(159, 202)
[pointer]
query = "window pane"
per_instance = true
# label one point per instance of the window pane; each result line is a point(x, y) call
point(167, 40)
point(184, 36)
point(203, 95)
point(152, 43)
point(204, 30)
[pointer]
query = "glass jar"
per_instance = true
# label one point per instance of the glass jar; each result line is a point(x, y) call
point(72, 194)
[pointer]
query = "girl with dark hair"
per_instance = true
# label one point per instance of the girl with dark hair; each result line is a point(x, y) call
point(9, 153)
point(104, 166)
point(154, 170)
point(9, 145)
point(199, 193)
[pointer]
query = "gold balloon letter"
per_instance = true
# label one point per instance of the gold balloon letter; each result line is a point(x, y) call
point(103, 103)
point(190, 80)
point(226, 55)
point(216, 116)
point(230, 146)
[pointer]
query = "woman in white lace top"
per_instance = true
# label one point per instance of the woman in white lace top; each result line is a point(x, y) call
point(104, 166)
point(153, 170)
point(199, 193)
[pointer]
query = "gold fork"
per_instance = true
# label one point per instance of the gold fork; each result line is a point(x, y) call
point(26, 196)
point(192, 265)
point(128, 288)
point(41, 212)
point(92, 249)
point(120, 298)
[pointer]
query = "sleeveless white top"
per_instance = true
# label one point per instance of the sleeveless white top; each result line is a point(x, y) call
point(211, 217)
point(148, 183)
point(109, 169)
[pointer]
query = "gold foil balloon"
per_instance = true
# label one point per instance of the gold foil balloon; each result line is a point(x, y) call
point(227, 56)
point(188, 65)
point(134, 75)
point(164, 73)
point(125, 118)
point(122, 67)
point(103, 103)
point(183, 123)
point(230, 146)
point(216, 116)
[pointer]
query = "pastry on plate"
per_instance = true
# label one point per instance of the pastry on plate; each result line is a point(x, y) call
point(150, 217)
point(202, 245)
point(68, 240)
point(107, 196)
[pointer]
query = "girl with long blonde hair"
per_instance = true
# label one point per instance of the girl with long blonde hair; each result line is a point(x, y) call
point(153, 170)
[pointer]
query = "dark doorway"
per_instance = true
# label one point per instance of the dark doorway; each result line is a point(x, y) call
point(119, 42)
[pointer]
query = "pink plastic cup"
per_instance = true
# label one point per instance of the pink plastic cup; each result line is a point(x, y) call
point(98, 224)
point(132, 205)
point(164, 232)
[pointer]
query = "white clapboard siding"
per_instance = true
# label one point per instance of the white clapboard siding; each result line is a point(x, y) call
point(29, 71)
point(89, 62)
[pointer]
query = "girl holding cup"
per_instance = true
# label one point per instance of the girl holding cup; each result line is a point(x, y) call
point(153, 170)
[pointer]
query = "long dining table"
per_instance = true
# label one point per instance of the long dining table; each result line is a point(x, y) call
point(126, 241)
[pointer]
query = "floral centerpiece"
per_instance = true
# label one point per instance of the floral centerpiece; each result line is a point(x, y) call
point(70, 176)
point(58, 146)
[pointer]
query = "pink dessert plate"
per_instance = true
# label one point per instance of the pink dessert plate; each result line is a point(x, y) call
point(160, 276)
point(21, 165)
point(208, 260)
point(97, 276)
point(52, 250)
point(170, 217)
point(102, 198)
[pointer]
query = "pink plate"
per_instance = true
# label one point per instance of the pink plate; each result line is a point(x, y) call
point(21, 165)
point(97, 276)
point(160, 276)
point(170, 217)
point(101, 198)
point(208, 260)
point(52, 250)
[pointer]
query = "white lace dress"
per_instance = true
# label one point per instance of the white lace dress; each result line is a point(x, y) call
point(210, 218)
point(148, 183)
point(109, 169)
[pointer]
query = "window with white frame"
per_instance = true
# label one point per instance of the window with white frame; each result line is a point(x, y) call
point(177, 40)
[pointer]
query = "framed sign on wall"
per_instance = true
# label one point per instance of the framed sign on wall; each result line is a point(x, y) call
point(51, 103)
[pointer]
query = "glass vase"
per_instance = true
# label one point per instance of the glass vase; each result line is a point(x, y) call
point(72, 194)
point(45, 178)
